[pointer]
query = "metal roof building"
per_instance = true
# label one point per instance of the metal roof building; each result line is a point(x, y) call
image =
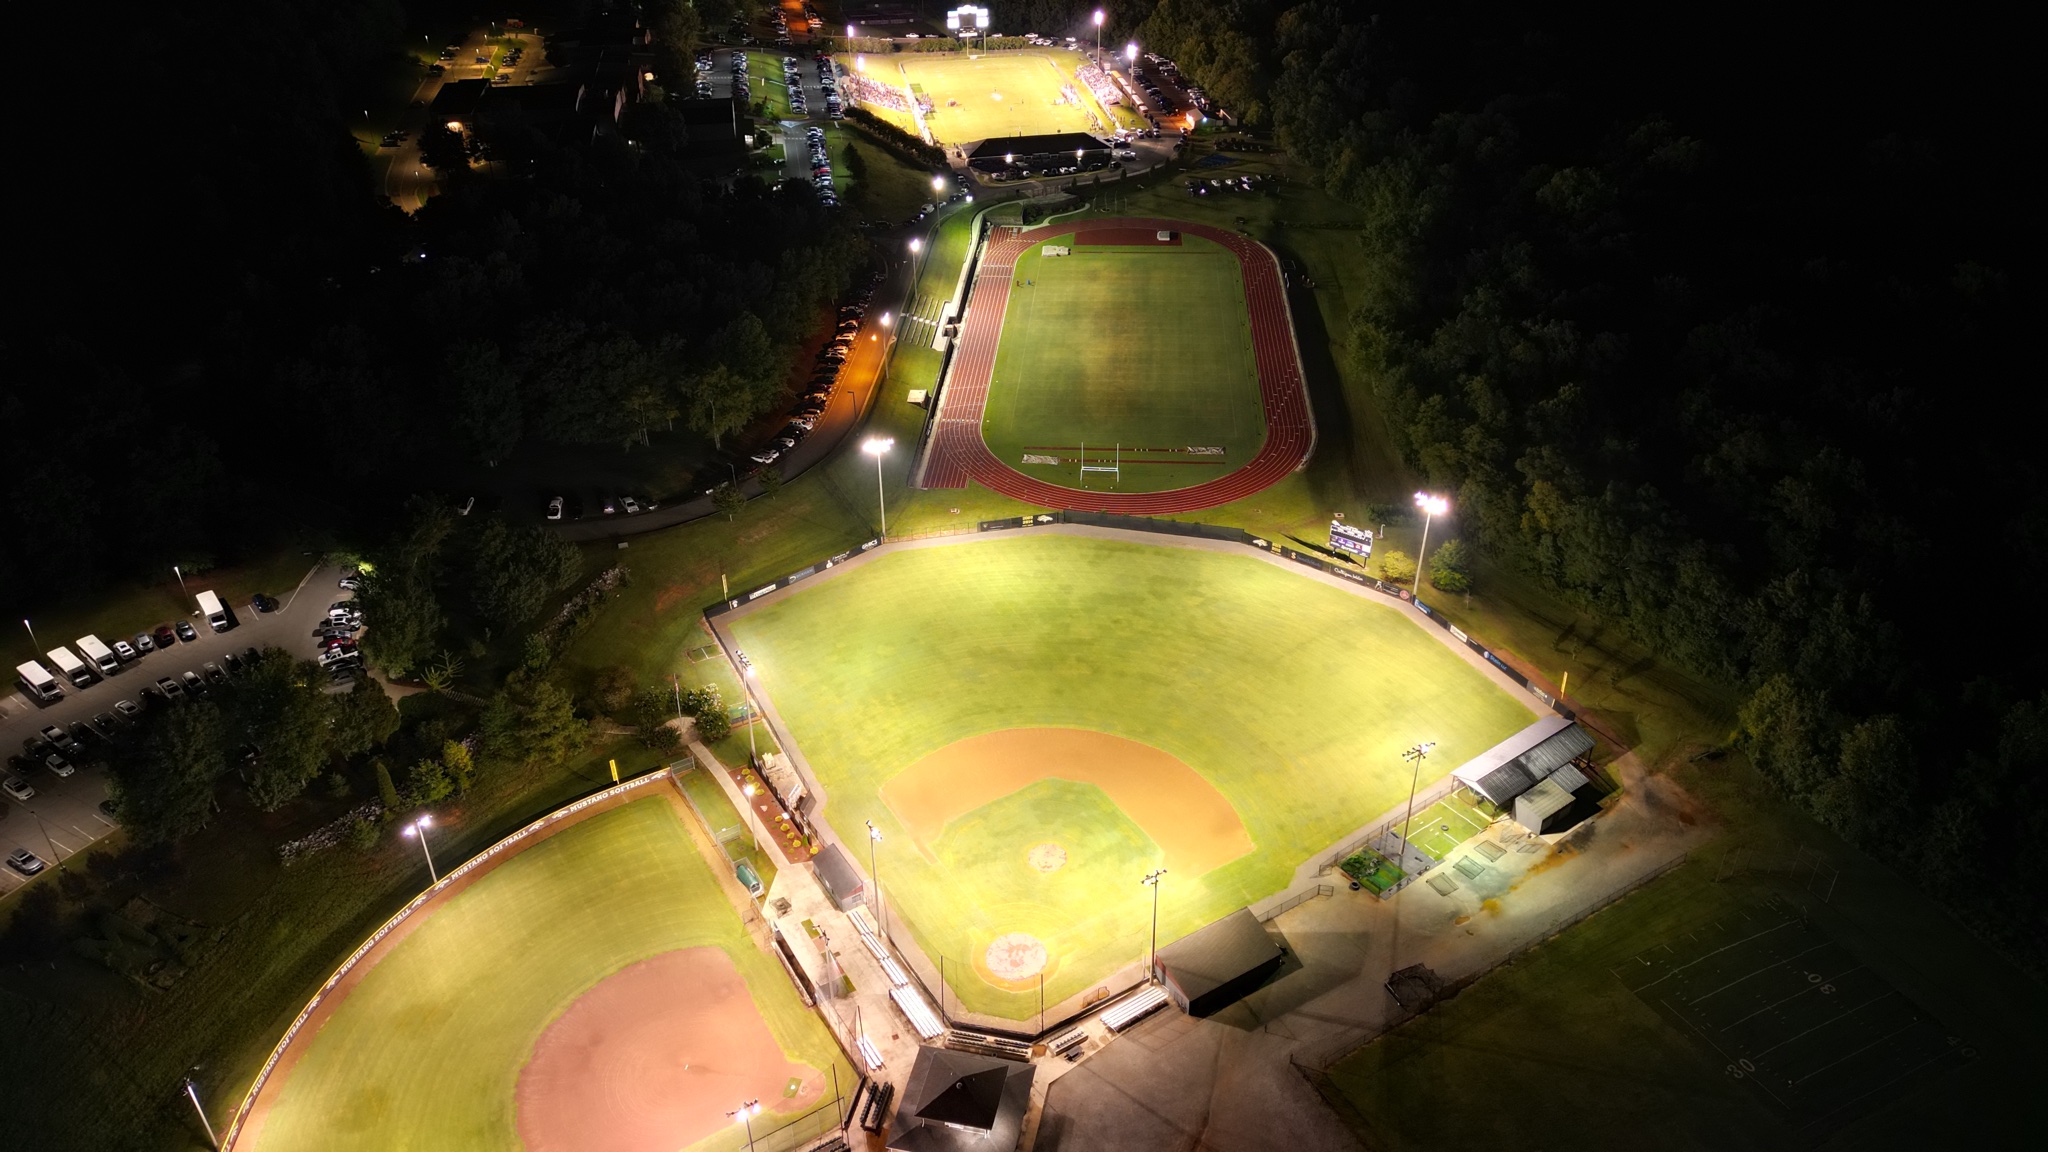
point(1514, 765)
point(839, 878)
point(961, 1102)
point(1212, 967)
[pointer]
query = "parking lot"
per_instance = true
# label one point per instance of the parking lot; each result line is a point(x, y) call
point(63, 817)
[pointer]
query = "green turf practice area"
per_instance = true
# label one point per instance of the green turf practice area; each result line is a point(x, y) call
point(1442, 826)
point(975, 96)
point(427, 1051)
point(1144, 347)
point(1243, 717)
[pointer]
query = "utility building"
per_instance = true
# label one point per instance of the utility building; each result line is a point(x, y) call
point(1219, 964)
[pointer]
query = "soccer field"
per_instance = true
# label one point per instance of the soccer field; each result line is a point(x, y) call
point(1036, 721)
point(444, 1044)
point(975, 98)
point(1146, 347)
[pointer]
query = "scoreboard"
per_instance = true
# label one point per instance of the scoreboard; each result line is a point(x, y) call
point(1350, 541)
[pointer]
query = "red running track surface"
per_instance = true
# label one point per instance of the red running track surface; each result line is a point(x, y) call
point(957, 454)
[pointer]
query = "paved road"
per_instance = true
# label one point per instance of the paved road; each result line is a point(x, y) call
point(64, 817)
point(404, 177)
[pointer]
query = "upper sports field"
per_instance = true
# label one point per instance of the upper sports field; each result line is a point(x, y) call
point(975, 96)
point(1035, 721)
point(1134, 350)
point(1180, 348)
point(595, 990)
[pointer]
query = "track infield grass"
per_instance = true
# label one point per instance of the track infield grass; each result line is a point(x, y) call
point(1147, 347)
point(980, 95)
point(1291, 698)
point(427, 1050)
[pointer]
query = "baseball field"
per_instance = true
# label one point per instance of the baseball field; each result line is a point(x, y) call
point(595, 991)
point(980, 95)
point(1138, 352)
point(1034, 722)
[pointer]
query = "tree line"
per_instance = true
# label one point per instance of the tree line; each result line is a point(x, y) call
point(1718, 341)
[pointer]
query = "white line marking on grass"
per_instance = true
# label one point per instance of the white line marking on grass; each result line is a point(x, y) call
point(1715, 952)
point(1760, 971)
point(1857, 1052)
point(1889, 993)
point(1789, 999)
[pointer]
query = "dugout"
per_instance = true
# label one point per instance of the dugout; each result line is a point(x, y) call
point(1211, 968)
point(837, 875)
point(1041, 155)
point(1503, 772)
point(961, 1102)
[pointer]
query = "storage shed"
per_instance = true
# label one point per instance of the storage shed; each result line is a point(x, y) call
point(1212, 967)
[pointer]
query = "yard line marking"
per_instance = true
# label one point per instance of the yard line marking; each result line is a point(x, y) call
point(1825, 1023)
point(1876, 1088)
point(1789, 999)
point(1715, 952)
point(1760, 971)
point(1857, 1052)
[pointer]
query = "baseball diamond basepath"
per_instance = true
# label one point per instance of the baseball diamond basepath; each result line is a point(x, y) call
point(1235, 703)
point(596, 990)
point(967, 443)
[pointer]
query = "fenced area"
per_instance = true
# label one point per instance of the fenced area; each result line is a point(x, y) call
point(1793, 1015)
point(752, 866)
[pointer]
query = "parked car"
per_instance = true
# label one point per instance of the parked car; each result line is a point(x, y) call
point(125, 653)
point(18, 788)
point(350, 580)
point(166, 637)
point(214, 675)
point(263, 603)
point(193, 684)
point(631, 505)
point(185, 631)
point(128, 708)
point(232, 663)
point(170, 689)
point(106, 724)
point(555, 508)
point(59, 766)
point(24, 861)
point(144, 643)
point(62, 739)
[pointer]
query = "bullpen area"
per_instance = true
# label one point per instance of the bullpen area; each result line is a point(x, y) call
point(1035, 722)
point(595, 991)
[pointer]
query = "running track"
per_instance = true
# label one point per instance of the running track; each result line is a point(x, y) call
point(957, 453)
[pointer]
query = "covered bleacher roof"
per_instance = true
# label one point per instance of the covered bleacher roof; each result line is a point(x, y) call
point(1514, 765)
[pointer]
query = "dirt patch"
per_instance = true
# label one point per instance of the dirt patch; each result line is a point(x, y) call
point(1047, 857)
point(1015, 956)
point(652, 1059)
point(1180, 810)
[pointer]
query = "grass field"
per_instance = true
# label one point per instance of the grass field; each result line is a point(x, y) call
point(426, 1051)
point(978, 96)
point(1289, 698)
point(1149, 348)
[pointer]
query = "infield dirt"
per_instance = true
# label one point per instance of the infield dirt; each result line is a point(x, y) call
point(1194, 826)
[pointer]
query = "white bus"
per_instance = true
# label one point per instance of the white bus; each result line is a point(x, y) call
point(70, 666)
point(38, 683)
point(210, 605)
point(101, 656)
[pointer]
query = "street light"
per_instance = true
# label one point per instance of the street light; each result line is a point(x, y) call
point(1415, 756)
point(849, 31)
point(1131, 52)
point(417, 830)
point(938, 183)
point(745, 1114)
point(181, 580)
point(33, 642)
point(875, 446)
point(747, 686)
point(916, 246)
point(192, 1093)
point(874, 838)
point(888, 320)
point(1432, 507)
point(1152, 880)
point(1098, 35)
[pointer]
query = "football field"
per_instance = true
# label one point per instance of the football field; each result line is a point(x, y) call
point(1139, 354)
point(1034, 722)
point(541, 1007)
point(978, 96)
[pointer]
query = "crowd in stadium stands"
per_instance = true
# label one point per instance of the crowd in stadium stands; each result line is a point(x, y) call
point(874, 94)
point(1098, 82)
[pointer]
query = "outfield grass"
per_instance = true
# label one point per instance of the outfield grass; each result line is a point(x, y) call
point(976, 96)
point(1294, 699)
point(419, 1055)
point(1149, 348)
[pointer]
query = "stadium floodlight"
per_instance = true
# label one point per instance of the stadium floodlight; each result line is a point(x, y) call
point(849, 31)
point(745, 1114)
point(1432, 507)
point(881, 914)
point(1151, 881)
point(1415, 756)
point(1098, 35)
point(877, 446)
point(967, 20)
point(1131, 52)
point(417, 829)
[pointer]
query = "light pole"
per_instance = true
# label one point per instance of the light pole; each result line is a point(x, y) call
point(33, 642)
point(1414, 756)
point(1098, 36)
point(1432, 507)
point(181, 580)
point(916, 246)
point(875, 446)
point(192, 1093)
point(417, 830)
point(745, 1114)
point(1152, 880)
point(938, 184)
point(1131, 55)
point(874, 838)
point(747, 686)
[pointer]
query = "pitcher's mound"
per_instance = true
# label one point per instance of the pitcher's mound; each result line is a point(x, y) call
point(1047, 857)
point(654, 1058)
point(1015, 956)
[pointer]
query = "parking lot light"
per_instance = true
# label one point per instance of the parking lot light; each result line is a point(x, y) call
point(938, 183)
point(417, 829)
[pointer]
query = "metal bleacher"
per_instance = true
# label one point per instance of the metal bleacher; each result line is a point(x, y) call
point(1134, 1008)
point(983, 1044)
point(919, 1013)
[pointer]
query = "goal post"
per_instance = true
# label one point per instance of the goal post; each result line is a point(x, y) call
point(1114, 469)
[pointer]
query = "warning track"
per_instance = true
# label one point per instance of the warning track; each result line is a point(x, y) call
point(956, 453)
